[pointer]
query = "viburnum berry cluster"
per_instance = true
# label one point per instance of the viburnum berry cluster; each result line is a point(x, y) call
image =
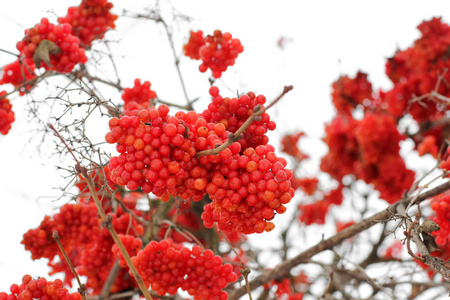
point(217, 51)
point(62, 47)
point(18, 74)
point(137, 98)
point(167, 267)
point(159, 155)
point(417, 71)
point(196, 41)
point(360, 147)
point(90, 20)
point(6, 114)
point(87, 244)
point(348, 92)
point(315, 212)
point(40, 289)
point(289, 146)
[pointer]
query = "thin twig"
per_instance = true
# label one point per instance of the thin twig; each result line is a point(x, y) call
point(107, 220)
point(82, 287)
point(244, 271)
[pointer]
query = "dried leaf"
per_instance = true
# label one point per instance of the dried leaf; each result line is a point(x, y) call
point(428, 226)
point(43, 51)
point(430, 242)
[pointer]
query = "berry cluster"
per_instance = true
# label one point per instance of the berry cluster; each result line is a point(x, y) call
point(137, 97)
point(428, 146)
point(158, 155)
point(350, 92)
point(217, 51)
point(86, 243)
point(6, 114)
point(18, 73)
point(289, 146)
point(196, 41)
point(309, 213)
point(233, 112)
point(167, 267)
point(360, 147)
point(90, 20)
point(307, 184)
point(394, 251)
point(441, 207)
point(63, 59)
point(291, 288)
point(247, 190)
point(417, 70)
point(40, 289)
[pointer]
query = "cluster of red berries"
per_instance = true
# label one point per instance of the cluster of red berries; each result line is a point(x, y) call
point(87, 244)
point(351, 92)
point(196, 41)
point(217, 51)
point(6, 114)
point(233, 112)
point(441, 207)
point(360, 147)
point(290, 288)
point(247, 190)
point(307, 184)
point(289, 146)
point(137, 97)
point(394, 251)
point(416, 71)
point(69, 54)
point(40, 289)
point(158, 155)
point(167, 267)
point(90, 20)
point(428, 146)
point(18, 73)
point(309, 213)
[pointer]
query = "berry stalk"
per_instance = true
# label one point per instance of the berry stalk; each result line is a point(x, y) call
point(114, 235)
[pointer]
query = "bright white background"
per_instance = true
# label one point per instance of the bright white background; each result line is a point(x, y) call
point(325, 39)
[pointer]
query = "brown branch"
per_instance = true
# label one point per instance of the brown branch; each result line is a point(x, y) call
point(82, 287)
point(283, 269)
point(112, 276)
point(236, 136)
point(435, 263)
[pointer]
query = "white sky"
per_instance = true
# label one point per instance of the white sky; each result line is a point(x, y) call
point(326, 39)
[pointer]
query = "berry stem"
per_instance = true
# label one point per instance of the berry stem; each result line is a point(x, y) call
point(82, 289)
point(244, 271)
point(236, 136)
point(115, 237)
